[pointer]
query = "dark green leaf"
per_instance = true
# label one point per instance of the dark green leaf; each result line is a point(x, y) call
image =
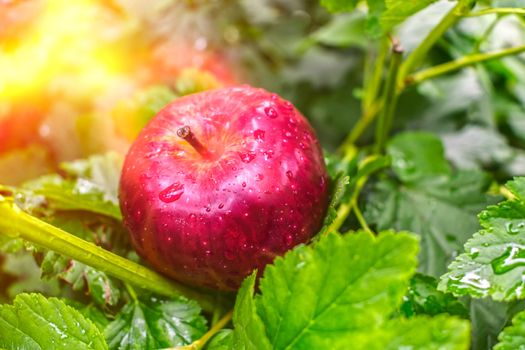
point(34, 322)
point(153, 323)
point(430, 201)
point(423, 298)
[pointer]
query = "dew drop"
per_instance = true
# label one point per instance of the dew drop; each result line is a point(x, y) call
point(247, 157)
point(172, 193)
point(244, 184)
point(259, 177)
point(514, 256)
point(221, 206)
point(259, 135)
point(514, 228)
point(270, 112)
point(288, 239)
point(289, 174)
point(288, 134)
point(288, 105)
point(268, 154)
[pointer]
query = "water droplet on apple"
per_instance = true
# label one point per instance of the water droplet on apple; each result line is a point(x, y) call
point(208, 209)
point(289, 174)
point(288, 239)
point(270, 112)
point(259, 177)
point(288, 105)
point(288, 134)
point(221, 206)
point(268, 154)
point(259, 134)
point(172, 193)
point(247, 157)
point(244, 184)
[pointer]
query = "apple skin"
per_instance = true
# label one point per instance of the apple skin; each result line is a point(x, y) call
point(210, 220)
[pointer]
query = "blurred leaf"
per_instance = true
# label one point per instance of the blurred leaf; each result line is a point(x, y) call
point(90, 185)
point(153, 323)
point(131, 115)
point(339, 5)
point(425, 333)
point(428, 199)
point(223, 340)
point(102, 289)
point(423, 298)
point(513, 337)
point(492, 264)
point(34, 322)
point(343, 31)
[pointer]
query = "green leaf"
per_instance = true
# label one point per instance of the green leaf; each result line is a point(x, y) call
point(417, 156)
point(344, 30)
point(339, 5)
point(425, 333)
point(90, 185)
point(513, 337)
point(91, 312)
point(336, 304)
point(34, 322)
point(493, 263)
point(153, 323)
point(103, 289)
point(342, 290)
point(249, 333)
point(423, 298)
point(397, 11)
point(426, 198)
point(223, 340)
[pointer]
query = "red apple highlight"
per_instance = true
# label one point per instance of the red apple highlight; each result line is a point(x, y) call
point(220, 182)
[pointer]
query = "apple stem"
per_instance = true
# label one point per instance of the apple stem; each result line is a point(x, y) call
point(186, 134)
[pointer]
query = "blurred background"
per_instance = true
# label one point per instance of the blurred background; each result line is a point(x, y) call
point(83, 77)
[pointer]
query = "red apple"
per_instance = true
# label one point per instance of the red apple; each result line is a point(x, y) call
point(220, 182)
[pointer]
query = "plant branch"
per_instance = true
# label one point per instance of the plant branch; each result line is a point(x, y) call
point(498, 11)
point(416, 58)
point(199, 344)
point(462, 62)
point(389, 99)
point(16, 223)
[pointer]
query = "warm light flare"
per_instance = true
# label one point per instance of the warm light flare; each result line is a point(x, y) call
point(69, 40)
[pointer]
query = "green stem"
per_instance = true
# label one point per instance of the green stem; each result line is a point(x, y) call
point(416, 58)
point(462, 62)
point(389, 100)
point(498, 11)
point(486, 34)
point(16, 223)
point(199, 344)
point(374, 77)
point(370, 105)
point(359, 215)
